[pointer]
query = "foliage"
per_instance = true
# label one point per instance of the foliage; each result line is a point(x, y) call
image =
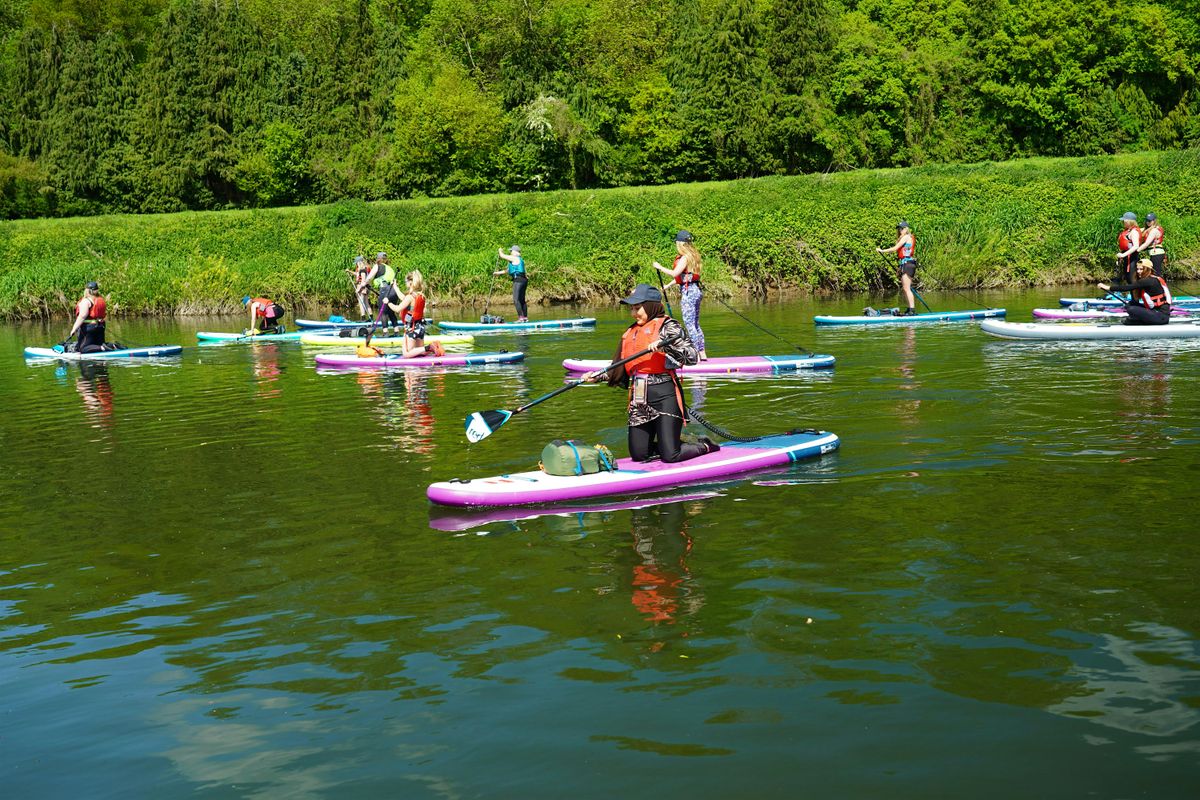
point(1022, 222)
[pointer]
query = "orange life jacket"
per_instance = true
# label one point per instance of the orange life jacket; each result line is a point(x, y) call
point(95, 312)
point(639, 337)
point(263, 305)
point(1162, 298)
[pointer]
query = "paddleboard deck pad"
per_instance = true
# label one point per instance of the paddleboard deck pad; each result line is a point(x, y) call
point(157, 351)
point(724, 365)
point(885, 319)
point(532, 325)
point(220, 336)
point(333, 340)
point(398, 362)
point(631, 477)
point(1080, 331)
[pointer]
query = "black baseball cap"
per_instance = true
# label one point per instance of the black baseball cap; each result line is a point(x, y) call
point(643, 293)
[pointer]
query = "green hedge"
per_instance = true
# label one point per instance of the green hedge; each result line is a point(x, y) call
point(1039, 221)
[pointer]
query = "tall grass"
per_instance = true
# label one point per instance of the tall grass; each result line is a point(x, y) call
point(1039, 221)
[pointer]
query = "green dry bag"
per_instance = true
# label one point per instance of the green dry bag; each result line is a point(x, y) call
point(573, 457)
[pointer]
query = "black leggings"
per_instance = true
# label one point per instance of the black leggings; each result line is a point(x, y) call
point(661, 436)
point(91, 339)
point(1140, 315)
point(1157, 261)
point(519, 284)
point(387, 294)
point(1125, 269)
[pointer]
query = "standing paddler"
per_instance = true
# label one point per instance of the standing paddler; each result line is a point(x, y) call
point(685, 271)
point(520, 280)
point(1128, 242)
point(905, 250)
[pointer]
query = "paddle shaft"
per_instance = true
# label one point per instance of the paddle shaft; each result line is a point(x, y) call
point(573, 384)
point(761, 328)
point(911, 287)
point(487, 301)
point(663, 288)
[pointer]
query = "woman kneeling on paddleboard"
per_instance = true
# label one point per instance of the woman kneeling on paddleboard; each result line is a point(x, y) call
point(1151, 303)
point(656, 414)
point(89, 320)
point(412, 314)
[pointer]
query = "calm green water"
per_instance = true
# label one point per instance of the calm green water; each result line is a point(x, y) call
point(221, 578)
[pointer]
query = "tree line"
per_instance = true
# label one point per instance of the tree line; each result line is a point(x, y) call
point(169, 105)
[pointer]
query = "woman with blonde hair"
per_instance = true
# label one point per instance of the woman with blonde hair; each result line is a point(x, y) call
point(411, 312)
point(685, 271)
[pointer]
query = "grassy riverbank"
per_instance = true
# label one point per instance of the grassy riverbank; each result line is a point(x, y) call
point(1038, 221)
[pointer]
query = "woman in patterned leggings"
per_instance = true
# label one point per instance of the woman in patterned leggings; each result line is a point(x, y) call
point(686, 272)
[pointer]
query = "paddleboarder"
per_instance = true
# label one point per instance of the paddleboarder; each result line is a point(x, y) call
point(362, 289)
point(89, 320)
point(685, 271)
point(1151, 299)
point(905, 249)
point(1152, 243)
point(520, 280)
point(1128, 242)
point(411, 311)
point(265, 315)
point(656, 415)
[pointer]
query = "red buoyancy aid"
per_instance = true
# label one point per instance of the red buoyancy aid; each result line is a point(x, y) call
point(685, 277)
point(263, 305)
point(906, 250)
point(417, 312)
point(639, 337)
point(1158, 300)
point(1125, 239)
point(1162, 237)
point(95, 312)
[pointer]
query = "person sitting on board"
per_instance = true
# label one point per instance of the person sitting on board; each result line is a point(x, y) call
point(516, 271)
point(358, 274)
point(1128, 242)
point(1152, 243)
point(686, 272)
point(411, 310)
point(265, 315)
point(1151, 299)
point(656, 415)
point(89, 320)
point(904, 248)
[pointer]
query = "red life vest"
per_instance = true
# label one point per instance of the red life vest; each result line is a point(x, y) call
point(1125, 239)
point(906, 250)
point(1162, 237)
point(95, 312)
point(417, 312)
point(1158, 300)
point(639, 337)
point(685, 277)
point(263, 305)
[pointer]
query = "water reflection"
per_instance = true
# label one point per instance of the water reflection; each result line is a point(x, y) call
point(267, 371)
point(400, 403)
point(906, 369)
point(661, 588)
point(94, 387)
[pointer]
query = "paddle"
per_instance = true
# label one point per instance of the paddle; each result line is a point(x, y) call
point(483, 424)
point(61, 347)
point(912, 288)
point(663, 288)
point(487, 302)
point(764, 330)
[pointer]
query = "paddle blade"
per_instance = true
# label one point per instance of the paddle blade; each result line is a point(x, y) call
point(483, 424)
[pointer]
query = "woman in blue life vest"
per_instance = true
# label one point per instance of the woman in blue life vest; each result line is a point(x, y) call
point(89, 320)
point(905, 250)
point(685, 271)
point(655, 404)
point(520, 280)
point(1150, 302)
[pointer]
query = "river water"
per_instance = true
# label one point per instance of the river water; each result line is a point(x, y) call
point(221, 577)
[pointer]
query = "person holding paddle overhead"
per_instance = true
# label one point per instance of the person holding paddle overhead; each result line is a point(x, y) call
point(656, 414)
point(1150, 302)
point(516, 271)
point(905, 248)
point(686, 272)
point(89, 320)
point(264, 315)
point(1129, 240)
point(1152, 243)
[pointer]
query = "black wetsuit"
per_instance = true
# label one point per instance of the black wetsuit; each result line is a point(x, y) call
point(1138, 313)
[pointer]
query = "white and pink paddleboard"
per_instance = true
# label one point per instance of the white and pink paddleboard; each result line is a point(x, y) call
point(1095, 313)
point(632, 477)
point(398, 362)
point(726, 365)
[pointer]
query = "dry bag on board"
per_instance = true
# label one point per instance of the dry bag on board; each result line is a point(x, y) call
point(573, 457)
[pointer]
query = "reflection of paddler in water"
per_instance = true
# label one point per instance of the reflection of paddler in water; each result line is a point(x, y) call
point(906, 369)
point(1145, 393)
point(403, 405)
point(267, 370)
point(94, 387)
point(661, 588)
